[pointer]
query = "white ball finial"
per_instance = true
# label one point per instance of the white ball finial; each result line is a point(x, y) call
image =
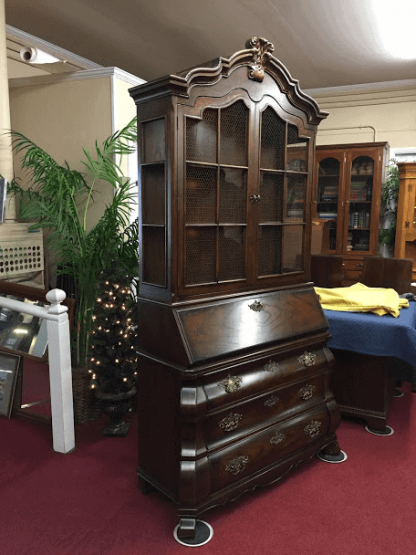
point(55, 297)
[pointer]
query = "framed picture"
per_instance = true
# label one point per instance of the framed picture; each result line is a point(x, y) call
point(9, 369)
point(3, 195)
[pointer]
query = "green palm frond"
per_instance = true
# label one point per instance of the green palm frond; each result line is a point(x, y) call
point(58, 200)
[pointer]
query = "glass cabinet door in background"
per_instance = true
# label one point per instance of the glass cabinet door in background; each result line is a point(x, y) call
point(328, 194)
point(360, 202)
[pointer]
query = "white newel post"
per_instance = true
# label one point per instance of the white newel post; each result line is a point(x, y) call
point(60, 373)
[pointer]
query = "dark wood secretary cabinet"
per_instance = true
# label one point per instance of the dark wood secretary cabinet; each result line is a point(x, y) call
point(233, 365)
point(347, 193)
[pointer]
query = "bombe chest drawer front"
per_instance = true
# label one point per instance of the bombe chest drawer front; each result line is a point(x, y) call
point(214, 423)
point(267, 447)
point(264, 410)
point(247, 398)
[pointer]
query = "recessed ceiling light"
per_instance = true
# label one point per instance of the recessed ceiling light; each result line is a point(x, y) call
point(395, 22)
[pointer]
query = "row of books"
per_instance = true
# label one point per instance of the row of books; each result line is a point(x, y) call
point(360, 244)
point(359, 220)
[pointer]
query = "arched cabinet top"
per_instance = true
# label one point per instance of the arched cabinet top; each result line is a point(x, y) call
point(259, 62)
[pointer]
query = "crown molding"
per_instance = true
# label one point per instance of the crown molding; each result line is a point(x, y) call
point(82, 75)
point(362, 88)
point(25, 39)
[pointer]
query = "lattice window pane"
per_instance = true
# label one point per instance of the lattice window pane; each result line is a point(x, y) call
point(153, 255)
point(292, 259)
point(296, 194)
point(231, 253)
point(233, 142)
point(271, 197)
point(297, 150)
point(201, 195)
point(269, 249)
point(153, 194)
point(153, 141)
point(200, 257)
point(233, 194)
point(272, 140)
point(201, 137)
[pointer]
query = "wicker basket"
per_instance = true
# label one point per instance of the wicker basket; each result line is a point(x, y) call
point(86, 405)
point(21, 250)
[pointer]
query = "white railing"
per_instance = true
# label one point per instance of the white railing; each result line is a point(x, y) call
point(60, 372)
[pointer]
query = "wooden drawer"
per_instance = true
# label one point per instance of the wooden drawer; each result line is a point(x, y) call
point(352, 269)
point(246, 380)
point(266, 448)
point(280, 403)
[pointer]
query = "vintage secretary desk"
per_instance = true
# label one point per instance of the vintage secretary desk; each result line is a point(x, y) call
point(233, 365)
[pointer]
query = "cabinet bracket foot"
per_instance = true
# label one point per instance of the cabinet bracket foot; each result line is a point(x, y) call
point(339, 458)
point(192, 532)
point(332, 453)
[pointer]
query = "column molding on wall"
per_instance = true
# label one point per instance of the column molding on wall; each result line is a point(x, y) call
point(6, 153)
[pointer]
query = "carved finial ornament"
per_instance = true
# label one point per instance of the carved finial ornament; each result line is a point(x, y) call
point(260, 47)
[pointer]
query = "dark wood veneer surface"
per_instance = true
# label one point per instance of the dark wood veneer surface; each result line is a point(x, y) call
point(233, 365)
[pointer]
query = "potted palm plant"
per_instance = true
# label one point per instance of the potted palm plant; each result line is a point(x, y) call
point(388, 205)
point(59, 199)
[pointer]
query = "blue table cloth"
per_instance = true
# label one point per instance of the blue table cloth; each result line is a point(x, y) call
point(370, 334)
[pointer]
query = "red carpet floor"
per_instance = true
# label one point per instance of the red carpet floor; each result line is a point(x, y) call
point(87, 502)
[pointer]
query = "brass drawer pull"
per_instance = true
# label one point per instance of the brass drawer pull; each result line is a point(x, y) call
point(230, 383)
point(306, 392)
point(277, 438)
point(271, 366)
point(307, 359)
point(271, 401)
point(230, 422)
point(257, 306)
point(237, 465)
point(313, 429)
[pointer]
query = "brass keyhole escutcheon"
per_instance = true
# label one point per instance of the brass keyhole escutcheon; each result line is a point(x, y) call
point(307, 359)
point(257, 306)
point(230, 383)
point(313, 429)
point(306, 392)
point(271, 366)
point(230, 422)
point(237, 465)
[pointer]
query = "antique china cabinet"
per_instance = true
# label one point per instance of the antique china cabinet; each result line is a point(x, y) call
point(347, 193)
point(233, 365)
point(405, 246)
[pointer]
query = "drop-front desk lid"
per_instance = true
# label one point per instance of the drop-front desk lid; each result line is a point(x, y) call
point(194, 333)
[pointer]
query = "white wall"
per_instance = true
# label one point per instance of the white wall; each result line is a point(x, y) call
point(368, 113)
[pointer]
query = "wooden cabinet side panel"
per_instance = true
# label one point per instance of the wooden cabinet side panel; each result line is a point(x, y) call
point(158, 425)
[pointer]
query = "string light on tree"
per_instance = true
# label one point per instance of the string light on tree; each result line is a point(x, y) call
point(113, 356)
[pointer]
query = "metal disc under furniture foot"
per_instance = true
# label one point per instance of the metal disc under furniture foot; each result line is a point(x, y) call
point(203, 534)
point(334, 459)
point(388, 431)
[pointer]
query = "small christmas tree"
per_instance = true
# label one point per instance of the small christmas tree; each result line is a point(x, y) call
point(113, 361)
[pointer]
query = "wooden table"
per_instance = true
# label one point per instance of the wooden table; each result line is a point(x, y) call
point(372, 353)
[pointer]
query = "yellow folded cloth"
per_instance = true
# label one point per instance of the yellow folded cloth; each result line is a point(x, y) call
point(359, 298)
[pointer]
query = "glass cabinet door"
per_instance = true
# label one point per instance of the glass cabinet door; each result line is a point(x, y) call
point(216, 167)
point(360, 204)
point(328, 193)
